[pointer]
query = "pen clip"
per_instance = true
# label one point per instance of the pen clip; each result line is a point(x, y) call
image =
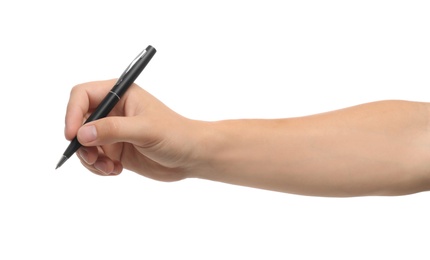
point(130, 66)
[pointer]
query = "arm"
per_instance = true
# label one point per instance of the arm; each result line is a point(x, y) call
point(380, 148)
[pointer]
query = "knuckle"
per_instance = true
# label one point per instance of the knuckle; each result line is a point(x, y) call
point(111, 128)
point(75, 89)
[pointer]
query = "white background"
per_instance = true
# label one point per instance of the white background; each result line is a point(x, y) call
point(215, 60)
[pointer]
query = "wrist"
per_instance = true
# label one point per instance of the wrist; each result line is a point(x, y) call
point(207, 145)
point(236, 151)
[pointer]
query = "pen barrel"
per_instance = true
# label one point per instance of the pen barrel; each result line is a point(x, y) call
point(72, 148)
point(112, 98)
point(107, 104)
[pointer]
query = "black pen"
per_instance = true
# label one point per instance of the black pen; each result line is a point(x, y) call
point(124, 82)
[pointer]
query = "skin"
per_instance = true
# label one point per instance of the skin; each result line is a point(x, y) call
point(378, 148)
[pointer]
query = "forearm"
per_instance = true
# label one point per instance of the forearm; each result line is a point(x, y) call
point(379, 148)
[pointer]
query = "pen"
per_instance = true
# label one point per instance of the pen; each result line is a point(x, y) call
point(123, 83)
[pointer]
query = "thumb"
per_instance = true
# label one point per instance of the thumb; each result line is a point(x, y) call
point(111, 130)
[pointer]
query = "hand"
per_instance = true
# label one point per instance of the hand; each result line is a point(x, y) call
point(140, 134)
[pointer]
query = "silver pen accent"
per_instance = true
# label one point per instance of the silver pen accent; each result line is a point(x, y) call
point(130, 66)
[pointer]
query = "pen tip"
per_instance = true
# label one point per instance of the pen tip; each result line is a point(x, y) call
point(62, 160)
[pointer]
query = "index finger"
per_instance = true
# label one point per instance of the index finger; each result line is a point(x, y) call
point(84, 98)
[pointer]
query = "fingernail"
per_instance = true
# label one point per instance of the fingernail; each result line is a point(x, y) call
point(101, 166)
point(87, 133)
point(84, 154)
